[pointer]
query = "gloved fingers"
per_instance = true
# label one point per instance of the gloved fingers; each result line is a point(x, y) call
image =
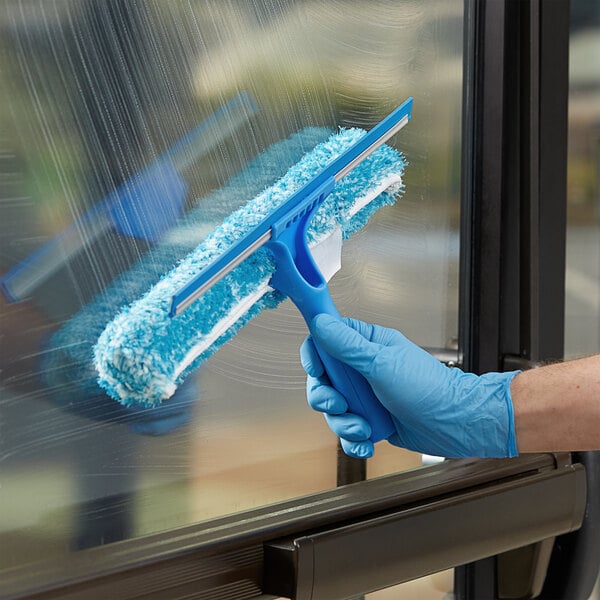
point(309, 357)
point(344, 343)
point(323, 397)
point(411, 356)
point(376, 333)
point(349, 426)
point(357, 449)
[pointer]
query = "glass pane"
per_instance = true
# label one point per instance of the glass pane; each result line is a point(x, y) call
point(582, 324)
point(434, 587)
point(582, 302)
point(90, 93)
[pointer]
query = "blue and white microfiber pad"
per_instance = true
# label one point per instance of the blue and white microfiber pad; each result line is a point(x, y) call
point(143, 354)
point(67, 358)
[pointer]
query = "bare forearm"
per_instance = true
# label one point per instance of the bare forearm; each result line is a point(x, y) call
point(557, 407)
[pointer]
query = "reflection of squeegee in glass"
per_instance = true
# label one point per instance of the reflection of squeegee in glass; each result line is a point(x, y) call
point(144, 206)
point(146, 351)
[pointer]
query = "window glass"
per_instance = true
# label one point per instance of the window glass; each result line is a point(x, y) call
point(90, 94)
point(582, 325)
point(582, 300)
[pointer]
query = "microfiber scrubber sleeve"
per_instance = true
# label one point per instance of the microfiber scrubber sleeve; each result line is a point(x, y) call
point(67, 357)
point(143, 354)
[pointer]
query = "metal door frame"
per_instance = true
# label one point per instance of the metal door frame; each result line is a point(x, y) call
point(514, 242)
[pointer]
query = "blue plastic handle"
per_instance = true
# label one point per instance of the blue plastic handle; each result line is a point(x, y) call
point(298, 277)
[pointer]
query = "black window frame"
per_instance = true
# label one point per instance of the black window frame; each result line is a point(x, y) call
point(514, 238)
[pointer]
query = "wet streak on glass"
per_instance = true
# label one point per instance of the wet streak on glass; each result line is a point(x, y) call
point(90, 93)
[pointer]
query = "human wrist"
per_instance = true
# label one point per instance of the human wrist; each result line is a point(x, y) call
point(536, 418)
point(557, 406)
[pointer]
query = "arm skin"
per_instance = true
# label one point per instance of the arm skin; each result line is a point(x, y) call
point(557, 407)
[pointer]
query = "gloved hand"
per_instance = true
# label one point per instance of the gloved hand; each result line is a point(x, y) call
point(436, 410)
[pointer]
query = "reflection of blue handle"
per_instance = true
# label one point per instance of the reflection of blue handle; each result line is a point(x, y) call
point(144, 206)
point(298, 277)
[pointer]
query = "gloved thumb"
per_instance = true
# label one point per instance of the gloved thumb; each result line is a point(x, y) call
point(344, 343)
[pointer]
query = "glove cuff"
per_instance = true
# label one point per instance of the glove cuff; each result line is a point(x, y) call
point(511, 446)
point(494, 389)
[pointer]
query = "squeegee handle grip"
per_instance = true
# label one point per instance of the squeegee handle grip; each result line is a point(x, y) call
point(358, 393)
point(301, 280)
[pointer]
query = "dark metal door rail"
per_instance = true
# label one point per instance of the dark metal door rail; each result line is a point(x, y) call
point(337, 543)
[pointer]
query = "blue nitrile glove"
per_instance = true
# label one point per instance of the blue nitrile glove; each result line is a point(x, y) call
point(437, 410)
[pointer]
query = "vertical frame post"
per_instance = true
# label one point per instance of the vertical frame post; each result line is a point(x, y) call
point(514, 199)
